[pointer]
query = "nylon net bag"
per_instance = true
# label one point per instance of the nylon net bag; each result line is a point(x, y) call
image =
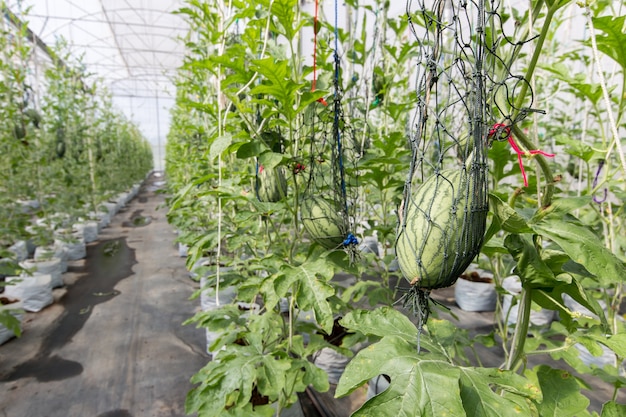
point(331, 149)
point(442, 217)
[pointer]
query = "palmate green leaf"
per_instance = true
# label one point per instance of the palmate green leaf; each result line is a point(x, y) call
point(271, 375)
point(617, 342)
point(384, 321)
point(561, 393)
point(313, 376)
point(313, 289)
point(530, 267)
point(228, 381)
point(480, 399)
point(444, 338)
point(219, 145)
point(374, 291)
point(552, 299)
point(277, 82)
point(613, 409)
point(271, 159)
point(284, 11)
point(309, 97)
point(508, 219)
point(250, 411)
point(579, 83)
point(251, 149)
point(576, 147)
point(9, 267)
point(418, 387)
point(387, 321)
point(613, 41)
point(561, 207)
point(584, 247)
point(421, 386)
point(9, 321)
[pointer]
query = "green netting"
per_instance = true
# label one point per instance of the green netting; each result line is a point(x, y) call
point(329, 198)
point(332, 148)
point(443, 215)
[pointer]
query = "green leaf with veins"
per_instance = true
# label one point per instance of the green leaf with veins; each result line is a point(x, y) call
point(561, 393)
point(421, 386)
point(313, 289)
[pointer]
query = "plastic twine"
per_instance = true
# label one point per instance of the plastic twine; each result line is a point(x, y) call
point(337, 109)
point(350, 238)
point(504, 132)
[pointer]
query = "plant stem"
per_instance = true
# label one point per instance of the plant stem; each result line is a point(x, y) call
point(533, 60)
point(521, 330)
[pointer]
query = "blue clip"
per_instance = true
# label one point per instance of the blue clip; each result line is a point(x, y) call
point(350, 240)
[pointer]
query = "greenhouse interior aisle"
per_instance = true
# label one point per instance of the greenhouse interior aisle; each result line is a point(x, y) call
point(112, 344)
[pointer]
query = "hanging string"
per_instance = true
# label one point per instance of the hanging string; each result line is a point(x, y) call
point(315, 30)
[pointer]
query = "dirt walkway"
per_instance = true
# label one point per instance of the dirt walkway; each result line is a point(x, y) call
point(112, 345)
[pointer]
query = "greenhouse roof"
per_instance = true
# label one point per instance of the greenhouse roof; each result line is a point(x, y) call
point(132, 45)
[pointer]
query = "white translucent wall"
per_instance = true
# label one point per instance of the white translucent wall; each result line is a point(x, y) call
point(131, 45)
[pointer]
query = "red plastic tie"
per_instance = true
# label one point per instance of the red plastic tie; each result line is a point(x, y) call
point(298, 168)
point(502, 128)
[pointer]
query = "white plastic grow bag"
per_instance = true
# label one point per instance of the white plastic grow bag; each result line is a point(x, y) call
point(52, 267)
point(476, 295)
point(34, 291)
point(111, 207)
point(104, 221)
point(209, 298)
point(122, 199)
point(88, 230)
point(183, 250)
point(332, 362)
point(74, 247)
point(46, 253)
point(376, 385)
point(20, 249)
point(209, 301)
point(606, 358)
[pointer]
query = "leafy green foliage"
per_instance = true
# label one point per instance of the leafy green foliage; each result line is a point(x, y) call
point(584, 248)
point(561, 393)
point(312, 291)
point(260, 87)
point(427, 383)
point(613, 409)
point(613, 41)
point(8, 320)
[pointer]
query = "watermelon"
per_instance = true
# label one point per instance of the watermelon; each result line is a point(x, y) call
point(323, 222)
point(441, 231)
point(271, 184)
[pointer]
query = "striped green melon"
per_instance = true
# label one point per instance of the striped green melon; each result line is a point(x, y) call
point(322, 221)
point(437, 237)
point(271, 184)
